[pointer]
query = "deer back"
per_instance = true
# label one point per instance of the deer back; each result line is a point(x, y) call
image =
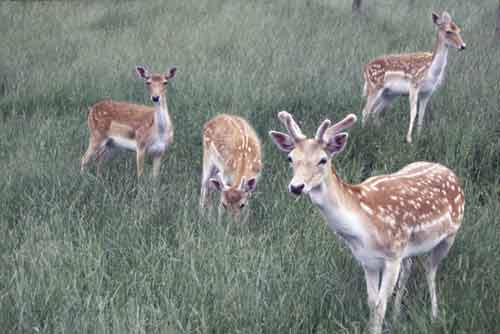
point(236, 145)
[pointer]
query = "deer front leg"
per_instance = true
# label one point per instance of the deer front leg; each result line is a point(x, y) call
point(389, 278)
point(140, 161)
point(422, 106)
point(413, 111)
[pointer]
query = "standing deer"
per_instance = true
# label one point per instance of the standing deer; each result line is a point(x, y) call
point(130, 126)
point(384, 220)
point(414, 74)
point(231, 161)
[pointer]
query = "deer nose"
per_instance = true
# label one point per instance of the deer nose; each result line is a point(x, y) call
point(297, 190)
point(155, 98)
point(463, 47)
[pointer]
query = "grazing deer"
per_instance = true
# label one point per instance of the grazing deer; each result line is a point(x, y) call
point(414, 74)
point(231, 161)
point(130, 126)
point(384, 220)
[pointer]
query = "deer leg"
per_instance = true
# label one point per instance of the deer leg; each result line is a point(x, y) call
point(372, 278)
point(422, 105)
point(389, 278)
point(209, 170)
point(431, 265)
point(368, 108)
point(140, 161)
point(104, 155)
point(379, 106)
point(413, 111)
point(156, 165)
point(401, 287)
point(93, 148)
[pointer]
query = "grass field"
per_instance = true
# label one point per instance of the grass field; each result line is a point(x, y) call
point(81, 254)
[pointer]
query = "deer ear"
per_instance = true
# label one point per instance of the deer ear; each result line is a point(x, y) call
point(215, 184)
point(251, 184)
point(436, 18)
point(336, 143)
point(171, 73)
point(142, 72)
point(282, 140)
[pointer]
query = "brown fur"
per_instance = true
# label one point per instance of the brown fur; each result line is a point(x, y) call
point(132, 123)
point(230, 142)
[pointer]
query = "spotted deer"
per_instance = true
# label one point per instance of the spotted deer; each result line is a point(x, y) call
point(414, 74)
point(134, 127)
point(231, 161)
point(386, 219)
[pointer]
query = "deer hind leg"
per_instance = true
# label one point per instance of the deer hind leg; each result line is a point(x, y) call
point(372, 101)
point(431, 265)
point(404, 274)
point(413, 111)
point(389, 278)
point(372, 278)
point(104, 154)
point(95, 144)
point(422, 106)
point(209, 171)
point(380, 105)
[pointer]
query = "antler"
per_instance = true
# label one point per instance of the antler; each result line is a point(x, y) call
point(292, 127)
point(346, 123)
point(321, 130)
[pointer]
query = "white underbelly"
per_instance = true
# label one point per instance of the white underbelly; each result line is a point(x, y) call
point(397, 87)
point(423, 247)
point(124, 143)
point(368, 258)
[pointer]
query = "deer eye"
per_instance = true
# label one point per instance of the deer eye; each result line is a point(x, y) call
point(148, 83)
point(322, 161)
point(290, 160)
point(165, 82)
point(449, 32)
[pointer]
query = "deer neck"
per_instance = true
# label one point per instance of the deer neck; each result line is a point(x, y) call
point(340, 208)
point(439, 58)
point(163, 122)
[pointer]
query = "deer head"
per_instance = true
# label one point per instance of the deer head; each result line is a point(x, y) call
point(155, 82)
point(233, 197)
point(449, 32)
point(311, 158)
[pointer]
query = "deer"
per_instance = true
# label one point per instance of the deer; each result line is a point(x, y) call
point(134, 127)
point(386, 220)
point(231, 162)
point(417, 75)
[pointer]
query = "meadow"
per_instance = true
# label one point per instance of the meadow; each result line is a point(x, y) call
point(114, 254)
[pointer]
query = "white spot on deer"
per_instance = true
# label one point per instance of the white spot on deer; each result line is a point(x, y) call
point(366, 208)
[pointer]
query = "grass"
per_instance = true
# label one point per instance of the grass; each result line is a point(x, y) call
point(118, 255)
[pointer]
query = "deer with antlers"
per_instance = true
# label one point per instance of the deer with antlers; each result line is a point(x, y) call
point(414, 74)
point(130, 126)
point(386, 219)
point(231, 161)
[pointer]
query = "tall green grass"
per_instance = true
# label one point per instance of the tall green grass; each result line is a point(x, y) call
point(80, 254)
